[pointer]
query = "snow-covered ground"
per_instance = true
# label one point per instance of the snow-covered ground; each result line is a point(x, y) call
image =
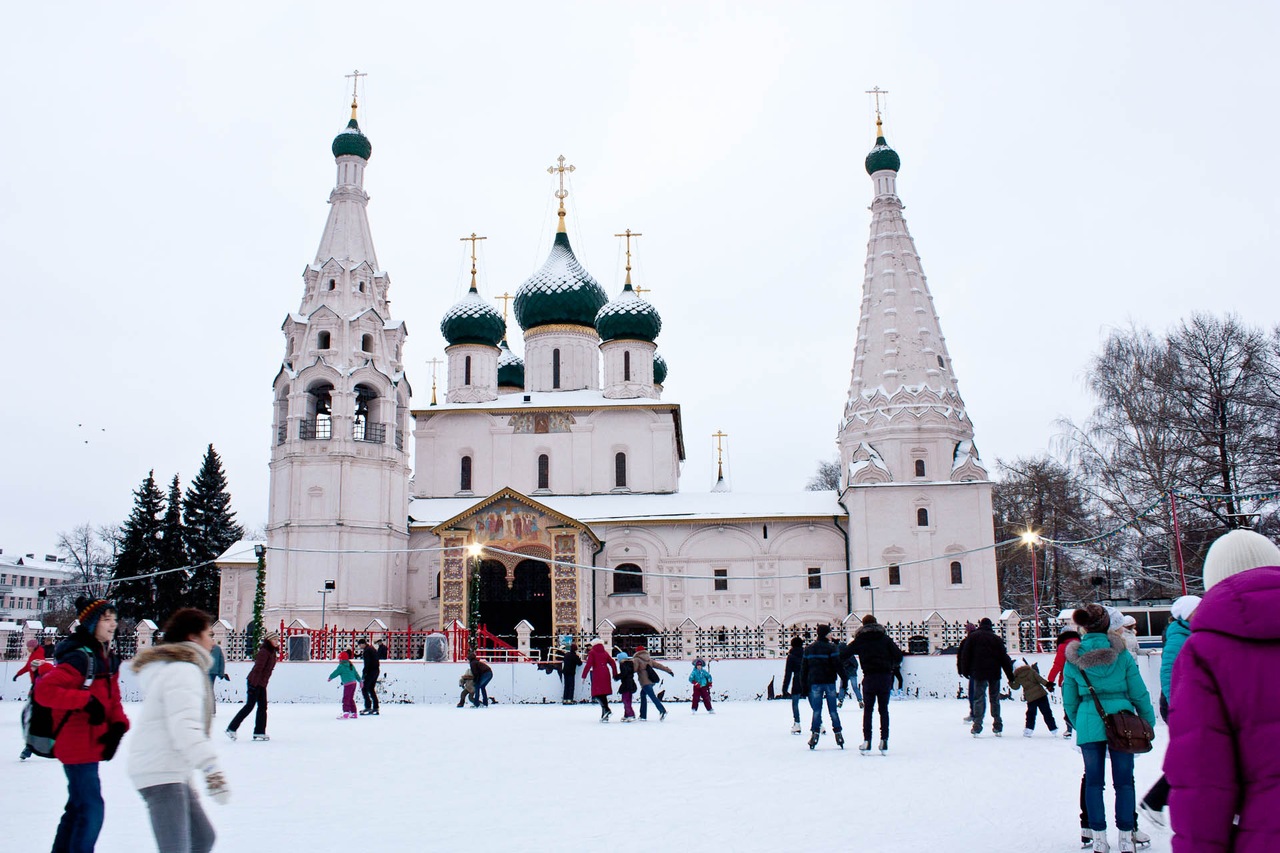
point(535, 778)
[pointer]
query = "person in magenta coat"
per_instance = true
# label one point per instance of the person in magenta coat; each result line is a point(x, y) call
point(602, 668)
point(1224, 712)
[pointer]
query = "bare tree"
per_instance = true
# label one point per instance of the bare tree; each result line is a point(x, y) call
point(90, 552)
point(826, 478)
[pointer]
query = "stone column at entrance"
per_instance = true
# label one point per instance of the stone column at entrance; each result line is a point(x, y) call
point(564, 581)
point(453, 579)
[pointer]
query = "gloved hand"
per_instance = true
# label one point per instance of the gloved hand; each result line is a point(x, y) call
point(217, 786)
point(111, 740)
point(97, 713)
point(15, 677)
point(1051, 688)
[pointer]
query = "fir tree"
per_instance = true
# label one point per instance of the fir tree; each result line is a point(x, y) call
point(140, 541)
point(210, 529)
point(173, 554)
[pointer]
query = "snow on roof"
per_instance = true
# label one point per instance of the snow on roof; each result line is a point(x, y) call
point(547, 399)
point(241, 552)
point(680, 506)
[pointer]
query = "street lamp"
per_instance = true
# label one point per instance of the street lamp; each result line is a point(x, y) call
point(1030, 537)
point(329, 586)
point(865, 583)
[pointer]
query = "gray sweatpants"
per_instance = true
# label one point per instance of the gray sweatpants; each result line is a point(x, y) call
point(177, 820)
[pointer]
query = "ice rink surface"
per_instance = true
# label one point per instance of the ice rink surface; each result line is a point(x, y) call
point(552, 778)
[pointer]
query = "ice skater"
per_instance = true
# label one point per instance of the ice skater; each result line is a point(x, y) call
point(849, 676)
point(483, 674)
point(626, 686)
point(879, 656)
point(467, 682)
point(369, 682)
point(256, 693)
point(700, 678)
point(346, 671)
point(1035, 692)
point(568, 669)
point(983, 658)
point(647, 676)
point(602, 668)
point(820, 670)
point(791, 677)
point(1055, 675)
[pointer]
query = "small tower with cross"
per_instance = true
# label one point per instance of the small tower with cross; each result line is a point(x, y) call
point(339, 480)
point(628, 327)
point(473, 329)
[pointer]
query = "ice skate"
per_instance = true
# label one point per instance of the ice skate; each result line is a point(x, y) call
point(884, 746)
point(628, 719)
point(25, 754)
point(1150, 813)
point(968, 719)
point(711, 710)
point(231, 734)
point(662, 716)
point(1140, 839)
point(1086, 837)
point(998, 732)
point(1126, 842)
point(840, 739)
point(795, 728)
point(813, 740)
point(261, 737)
point(864, 747)
point(1027, 733)
point(1100, 843)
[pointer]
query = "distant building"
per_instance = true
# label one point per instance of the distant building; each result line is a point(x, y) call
point(564, 467)
point(22, 578)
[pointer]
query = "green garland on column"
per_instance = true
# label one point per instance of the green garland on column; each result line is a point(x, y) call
point(259, 601)
point(473, 598)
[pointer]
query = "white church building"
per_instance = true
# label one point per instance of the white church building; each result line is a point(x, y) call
point(547, 489)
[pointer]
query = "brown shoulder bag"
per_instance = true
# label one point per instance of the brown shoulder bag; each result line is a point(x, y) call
point(1126, 731)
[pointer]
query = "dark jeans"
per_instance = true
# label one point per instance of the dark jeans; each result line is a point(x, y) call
point(875, 689)
point(1095, 767)
point(818, 692)
point(795, 707)
point(178, 822)
point(647, 694)
point(476, 698)
point(256, 696)
point(1041, 705)
point(568, 684)
point(84, 812)
point(852, 685)
point(971, 692)
point(1158, 797)
point(369, 690)
point(981, 690)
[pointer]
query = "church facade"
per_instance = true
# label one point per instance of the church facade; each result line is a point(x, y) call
point(546, 489)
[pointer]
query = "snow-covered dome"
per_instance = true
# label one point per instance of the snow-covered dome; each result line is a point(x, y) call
point(473, 321)
point(882, 156)
point(352, 141)
point(659, 369)
point(628, 317)
point(561, 292)
point(510, 367)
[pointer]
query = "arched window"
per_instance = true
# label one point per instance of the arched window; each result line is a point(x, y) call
point(555, 368)
point(464, 477)
point(360, 287)
point(627, 578)
point(620, 470)
point(922, 517)
point(466, 371)
point(438, 574)
point(319, 421)
point(544, 471)
point(322, 340)
point(895, 575)
point(919, 467)
point(333, 284)
point(957, 573)
point(366, 343)
point(364, 427)
point(626, 366)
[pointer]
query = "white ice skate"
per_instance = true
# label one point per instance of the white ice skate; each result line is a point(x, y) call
point(1156, 817)
point(795, 728)
point(1126, 842)
point(1027, 733)
point(1100, 843)
point(884, 747)
point(1086, 838)
point(1140, 839)
point(864, 747)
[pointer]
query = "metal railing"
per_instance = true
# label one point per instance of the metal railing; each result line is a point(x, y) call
point(372, 433)
point(318, 429)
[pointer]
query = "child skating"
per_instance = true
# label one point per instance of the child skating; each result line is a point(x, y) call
point(700, 678)
point(350, 678)
point(1034, 687)
point(626, 685)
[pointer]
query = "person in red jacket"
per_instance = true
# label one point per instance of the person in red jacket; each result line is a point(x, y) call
point(602, 668)
point(34, 661)
point(1055, 671)
point(83, 690)
point(256, 693)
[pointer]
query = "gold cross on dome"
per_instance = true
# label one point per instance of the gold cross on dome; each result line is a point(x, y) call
point(435, 362)
point(629, 234)
point(354, 76)
point(877, 92)
point(505, 299)
point(473, 238)
point(561, 193)
point(641, 291)
point(719, 436)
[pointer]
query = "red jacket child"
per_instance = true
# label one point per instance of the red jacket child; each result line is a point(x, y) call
point(34, 661)
point(84, 687)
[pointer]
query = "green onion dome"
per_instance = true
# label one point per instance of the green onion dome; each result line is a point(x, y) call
point(473, 321)
point(352, 141)
point(659, 369)
point(628, 317)
point(561, 292)
point(510, 367)
point(882, 157)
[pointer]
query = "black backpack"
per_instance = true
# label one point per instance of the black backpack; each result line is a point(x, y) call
point(38, 729)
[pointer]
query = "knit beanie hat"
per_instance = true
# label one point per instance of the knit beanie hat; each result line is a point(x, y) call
point(32, 643)
point(344, 656)
point(90, 610)
point(1116, 619)
point(1238, 551)
point(1184, 606)
point(1093, 618)
point(622, 656)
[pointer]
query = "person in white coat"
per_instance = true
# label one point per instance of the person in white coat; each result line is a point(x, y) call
point(170, 738)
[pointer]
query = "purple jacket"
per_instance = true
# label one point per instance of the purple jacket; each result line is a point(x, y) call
point(1224, 718)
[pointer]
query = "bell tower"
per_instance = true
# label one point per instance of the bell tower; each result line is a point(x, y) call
point(339, 437)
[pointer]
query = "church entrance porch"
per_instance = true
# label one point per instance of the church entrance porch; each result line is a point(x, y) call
point(509, 595)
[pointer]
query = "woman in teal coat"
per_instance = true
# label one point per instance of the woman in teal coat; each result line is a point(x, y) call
point(1119, 686)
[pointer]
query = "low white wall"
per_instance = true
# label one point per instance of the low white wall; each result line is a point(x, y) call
point(417, 682)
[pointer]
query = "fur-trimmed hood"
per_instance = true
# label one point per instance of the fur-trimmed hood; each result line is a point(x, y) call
point(186, 652)
point(1088, 653)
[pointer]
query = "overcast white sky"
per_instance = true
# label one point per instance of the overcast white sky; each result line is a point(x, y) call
point(1066, 169)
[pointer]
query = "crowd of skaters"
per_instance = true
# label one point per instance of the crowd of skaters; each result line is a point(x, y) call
point(1220, 790)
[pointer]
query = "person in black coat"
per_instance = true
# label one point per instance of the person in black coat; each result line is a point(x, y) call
point(819, 671)
point(969, 628)
point(369, 686)
point(982, 658)
point(791, 678)
point(568, 669)
point(880, 657)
